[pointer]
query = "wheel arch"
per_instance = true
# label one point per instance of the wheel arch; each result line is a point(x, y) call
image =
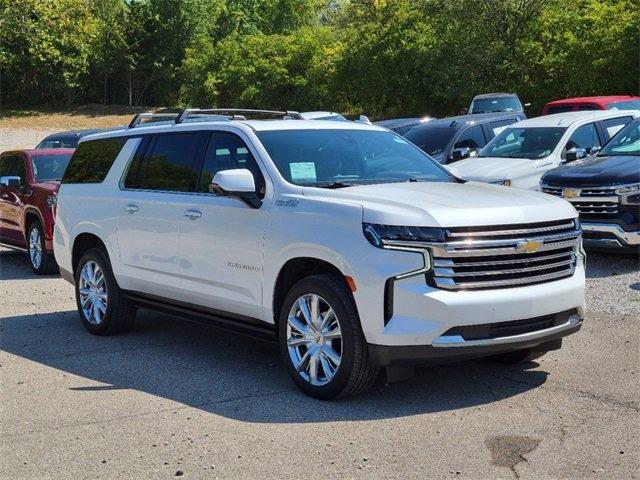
point(294, 270)
point(30, 215)
point(83, 242)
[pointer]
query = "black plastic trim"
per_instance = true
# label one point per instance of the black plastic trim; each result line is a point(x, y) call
point(386, 355)
point(210, 316)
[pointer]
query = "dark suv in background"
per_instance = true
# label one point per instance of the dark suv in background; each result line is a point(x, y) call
point(605, 189)
point(29, 181)
point(68, 139)
point(454, 138)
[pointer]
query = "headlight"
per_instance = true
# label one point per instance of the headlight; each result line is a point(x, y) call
point(406, 239)
point(51, 202)
point(629, 194)
point(389, 235)
point(628, 189)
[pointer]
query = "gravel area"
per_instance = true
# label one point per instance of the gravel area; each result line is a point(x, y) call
point(178, 399)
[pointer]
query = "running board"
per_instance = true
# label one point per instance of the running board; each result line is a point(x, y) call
point(13, 247)
point(208, 316)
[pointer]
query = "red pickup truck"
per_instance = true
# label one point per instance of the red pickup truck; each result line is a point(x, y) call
point(29, 181)
point(578, 104)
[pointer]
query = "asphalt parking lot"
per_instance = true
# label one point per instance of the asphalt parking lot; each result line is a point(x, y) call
point(174, 398)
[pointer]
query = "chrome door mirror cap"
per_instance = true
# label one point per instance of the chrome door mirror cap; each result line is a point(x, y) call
point(12, 181)
point(239, 180)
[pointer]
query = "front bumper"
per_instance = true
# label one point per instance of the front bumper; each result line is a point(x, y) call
point(449, 348)
point(609, 235)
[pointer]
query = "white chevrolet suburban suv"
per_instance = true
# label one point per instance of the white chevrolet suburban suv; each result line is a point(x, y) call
point(523, 152)
point(348, 244)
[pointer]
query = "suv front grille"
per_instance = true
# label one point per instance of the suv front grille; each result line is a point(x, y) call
point(505, 256)
point(590, 201)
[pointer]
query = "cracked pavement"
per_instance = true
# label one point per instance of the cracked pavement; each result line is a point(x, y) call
point(174, 398)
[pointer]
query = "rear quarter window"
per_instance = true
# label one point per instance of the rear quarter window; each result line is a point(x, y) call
point(92, 160)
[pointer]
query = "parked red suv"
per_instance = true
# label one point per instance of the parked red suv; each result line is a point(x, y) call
point(29, 181)
point(609, 102)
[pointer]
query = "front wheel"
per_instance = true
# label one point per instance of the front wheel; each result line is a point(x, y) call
point(321, 339)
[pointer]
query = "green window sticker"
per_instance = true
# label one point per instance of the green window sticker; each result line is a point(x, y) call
point(303, 172)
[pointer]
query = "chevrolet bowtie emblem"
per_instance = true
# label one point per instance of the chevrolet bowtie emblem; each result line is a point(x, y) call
point(529, 246)
point(570, 193)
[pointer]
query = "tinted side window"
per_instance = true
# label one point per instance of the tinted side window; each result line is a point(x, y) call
point(613, 125)
point(584, 108)
point(584, 137)
point(172, 162)
point(472, 137)
point(226, 152)
point(92, 160)
point(560, 109)
point(13, 166)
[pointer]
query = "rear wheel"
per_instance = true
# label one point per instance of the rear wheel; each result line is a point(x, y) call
point(41, 261)
point(321, 339)
point(101, 306)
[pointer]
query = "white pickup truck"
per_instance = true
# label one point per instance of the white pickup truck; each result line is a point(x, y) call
point(526, 150)
point(343, 241)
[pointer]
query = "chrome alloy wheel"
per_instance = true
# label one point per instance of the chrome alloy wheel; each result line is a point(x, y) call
point(314, 339)
point(93, 293)
point(35, 248)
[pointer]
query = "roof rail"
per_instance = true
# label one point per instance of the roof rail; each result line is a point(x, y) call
point(138, 118)
point(235, 113)
point(220, 113)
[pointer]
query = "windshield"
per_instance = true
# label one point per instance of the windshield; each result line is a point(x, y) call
point(532, 143)
point(345, 157)
point(59, 142)
point(625, 105)
point(430, 138)
point(626, 142)
point(495, 104)
point(49, 167)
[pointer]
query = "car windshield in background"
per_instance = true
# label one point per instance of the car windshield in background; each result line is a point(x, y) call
point(341, 158)
point(624, 105)
point(496, 104)
point(59, 142)
point(626, 142)
point(49, 167)
point(532, 143)
point(430, 138)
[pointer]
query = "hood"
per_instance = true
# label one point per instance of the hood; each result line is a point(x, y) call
point(48, 185)
point(597, 172)
point(448, 204)
point(488, 169)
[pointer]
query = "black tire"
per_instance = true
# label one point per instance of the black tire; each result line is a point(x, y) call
point(47, 263)
point(355, 374)
point(519, 356)
point(120, 314)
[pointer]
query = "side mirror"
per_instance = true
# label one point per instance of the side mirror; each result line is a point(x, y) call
point(460, 153)
point(12, 181)
point(364, 119)
point(575, 154)
point(464, 111)
point(594, 150)
point(237, 183)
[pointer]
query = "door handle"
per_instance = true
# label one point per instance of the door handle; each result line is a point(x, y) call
point(131, 208)
point(193, 214)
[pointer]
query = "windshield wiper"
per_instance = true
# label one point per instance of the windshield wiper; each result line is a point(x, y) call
point(332, 185)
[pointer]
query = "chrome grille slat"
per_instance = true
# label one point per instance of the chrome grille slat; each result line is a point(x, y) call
point(504, 283)
point(485, 259)
point(526, 231)
point(450, 273)
point(447, 262)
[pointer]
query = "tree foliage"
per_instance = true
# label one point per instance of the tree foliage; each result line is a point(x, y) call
point(380, 57)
